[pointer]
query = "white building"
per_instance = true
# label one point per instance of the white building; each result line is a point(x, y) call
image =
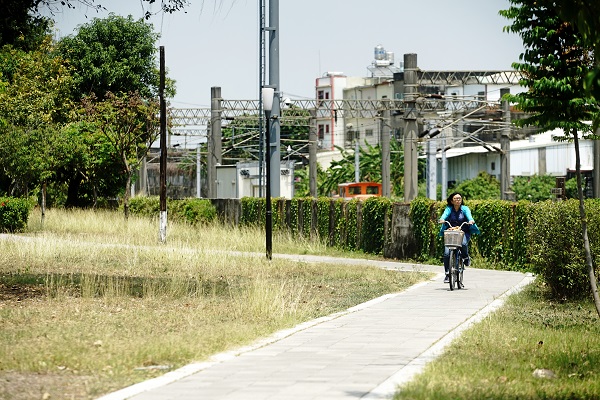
point(538, 155)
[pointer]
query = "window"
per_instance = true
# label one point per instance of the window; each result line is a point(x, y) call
point(372, 190)
point(369, 132)
point(321, 132)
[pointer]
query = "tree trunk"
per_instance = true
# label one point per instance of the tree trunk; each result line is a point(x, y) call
point(127, 188)
point(586, 241)
point(43, 202)
point(73, 191)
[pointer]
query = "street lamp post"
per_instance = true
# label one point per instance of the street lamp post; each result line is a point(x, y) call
point(267, 100)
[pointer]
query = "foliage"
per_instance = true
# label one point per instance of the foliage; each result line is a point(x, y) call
point(584, 16)
point(252, 211)
point(553, 66)
point(571, 188)
point(34, 86)
point(191, 211)
point(14, 213)
point(343, 170)
point(19, 28)
point(114, 54)
point(375, 212)
point(534, 188)
point(424, 225)
point(556, 247)
point(482, 187)
point(34, 105)
point(129, 124)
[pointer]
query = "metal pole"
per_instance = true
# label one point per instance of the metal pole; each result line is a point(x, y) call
point(505, 147)
point(444, 167)
point(431, 169)
point(274, 147)
point(356, 157)
point(268, 211)
point(214, 143)
point(198, 167)
point(410, 128)
point(312, 154)
point(385, 154)
point(162, 229)
point(261, 84)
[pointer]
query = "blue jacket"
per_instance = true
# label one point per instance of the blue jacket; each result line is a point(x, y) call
point(473, 229)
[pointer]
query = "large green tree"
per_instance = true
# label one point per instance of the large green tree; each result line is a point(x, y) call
point(34, 106)
point(554, 64)
point(115, 54)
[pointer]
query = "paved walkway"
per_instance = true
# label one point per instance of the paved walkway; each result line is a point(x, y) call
point(362, 353)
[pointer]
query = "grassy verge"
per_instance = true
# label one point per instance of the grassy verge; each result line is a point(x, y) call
point(498, 358)
point(90, 304)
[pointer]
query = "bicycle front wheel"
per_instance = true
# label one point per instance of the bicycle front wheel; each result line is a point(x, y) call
point(452, 268)
point(459, 273)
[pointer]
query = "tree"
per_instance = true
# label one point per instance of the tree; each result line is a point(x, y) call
point(554, 64)
point(19, 28)
point(534, 188)
point(483, 187)
point(34, 106)
point(130, 124)
point(114, 54)
point(584, 16)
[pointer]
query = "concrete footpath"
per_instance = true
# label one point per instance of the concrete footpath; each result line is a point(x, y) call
point(362, 353)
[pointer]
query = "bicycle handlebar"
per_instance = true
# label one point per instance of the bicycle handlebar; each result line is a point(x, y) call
point(450, 225)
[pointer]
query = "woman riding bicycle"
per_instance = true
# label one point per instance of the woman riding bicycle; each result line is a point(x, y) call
point(456, 213)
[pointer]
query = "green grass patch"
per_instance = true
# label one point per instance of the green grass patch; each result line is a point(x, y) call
point(497, 358)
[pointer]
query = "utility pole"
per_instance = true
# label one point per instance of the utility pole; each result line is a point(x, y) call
point(410, 128)
point(505, 193)
point(198, 172)
point(356, 157)
point(214, 142)
point(385, 153)
point(432, 169)
point(312, 154)
point(273, 147)
point(162, 229)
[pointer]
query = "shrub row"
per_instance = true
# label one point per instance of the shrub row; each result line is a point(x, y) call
point(191, 211)
point(349, 225)
point(544, 238)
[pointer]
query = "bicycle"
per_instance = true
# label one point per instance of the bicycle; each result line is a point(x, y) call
point(453, 238)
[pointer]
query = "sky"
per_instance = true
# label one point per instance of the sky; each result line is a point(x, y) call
point(215, 42)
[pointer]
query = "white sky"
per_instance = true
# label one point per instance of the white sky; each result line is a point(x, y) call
point(215, 43)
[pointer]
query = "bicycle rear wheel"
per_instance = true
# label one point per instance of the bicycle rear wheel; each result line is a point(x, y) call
point(452, 268)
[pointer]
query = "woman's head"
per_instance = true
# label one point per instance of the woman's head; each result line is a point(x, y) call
point(454, 199)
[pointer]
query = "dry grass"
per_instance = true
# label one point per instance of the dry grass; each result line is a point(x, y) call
point(88, 301)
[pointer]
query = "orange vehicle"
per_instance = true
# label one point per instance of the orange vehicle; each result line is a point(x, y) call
point(359, 190)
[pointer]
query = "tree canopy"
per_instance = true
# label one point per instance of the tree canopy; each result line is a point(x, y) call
point(115, 54)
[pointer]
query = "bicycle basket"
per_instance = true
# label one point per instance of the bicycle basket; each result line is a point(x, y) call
point(453, 238)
